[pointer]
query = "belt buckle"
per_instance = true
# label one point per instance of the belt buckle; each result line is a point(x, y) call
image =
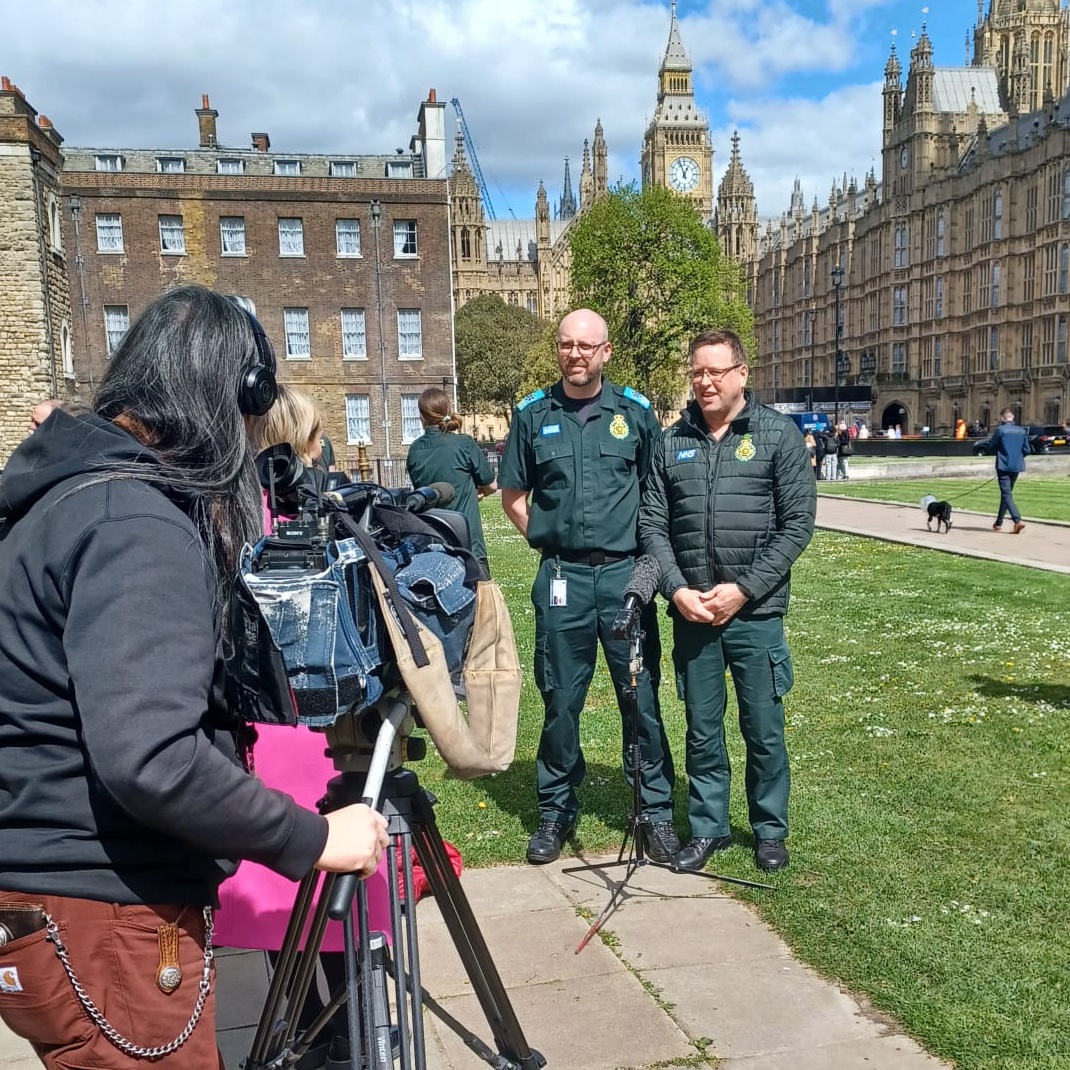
point(598, 557)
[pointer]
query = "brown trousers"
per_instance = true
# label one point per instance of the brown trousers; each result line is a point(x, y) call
point(115, 953)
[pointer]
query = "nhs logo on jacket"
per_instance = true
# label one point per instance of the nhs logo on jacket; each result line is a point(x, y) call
point(686, 455)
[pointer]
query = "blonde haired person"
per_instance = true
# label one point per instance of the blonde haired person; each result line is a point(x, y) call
point(293, 420)
point(442, 455)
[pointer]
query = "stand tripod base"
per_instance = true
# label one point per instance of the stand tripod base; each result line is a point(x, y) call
point(636, 860)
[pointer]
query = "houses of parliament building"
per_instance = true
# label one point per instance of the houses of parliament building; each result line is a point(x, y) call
point(940, 287)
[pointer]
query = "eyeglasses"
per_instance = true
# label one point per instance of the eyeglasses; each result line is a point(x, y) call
point(715, 375)
point(586, 349)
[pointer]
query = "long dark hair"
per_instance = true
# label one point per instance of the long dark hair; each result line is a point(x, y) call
point(173, 382)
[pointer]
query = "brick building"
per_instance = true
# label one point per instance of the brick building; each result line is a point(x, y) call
point(345, 258)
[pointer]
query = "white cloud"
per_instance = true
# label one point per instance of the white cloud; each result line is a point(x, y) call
point(532, 75)
point(816, 141)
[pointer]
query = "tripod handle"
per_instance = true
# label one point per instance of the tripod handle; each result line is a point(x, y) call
point(345, 887)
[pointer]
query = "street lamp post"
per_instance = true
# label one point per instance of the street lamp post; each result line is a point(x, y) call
point(811, 319)
point(377, 221)
point(837, 283)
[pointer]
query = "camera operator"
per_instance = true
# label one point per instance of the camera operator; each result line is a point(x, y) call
point(122, 796)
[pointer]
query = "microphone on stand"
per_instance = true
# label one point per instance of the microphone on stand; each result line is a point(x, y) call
point(641, 588)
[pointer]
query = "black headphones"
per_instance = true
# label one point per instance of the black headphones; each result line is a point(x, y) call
point(258, 388)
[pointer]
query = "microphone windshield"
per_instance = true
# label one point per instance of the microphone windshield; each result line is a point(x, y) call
point(643, 582)
point(444, 493)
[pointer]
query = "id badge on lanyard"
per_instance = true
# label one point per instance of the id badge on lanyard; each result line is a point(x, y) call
point(558, 588)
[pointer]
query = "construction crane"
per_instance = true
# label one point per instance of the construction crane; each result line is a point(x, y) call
point(470, 147)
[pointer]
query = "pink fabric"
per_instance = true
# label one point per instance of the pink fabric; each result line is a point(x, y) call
point(255, 903)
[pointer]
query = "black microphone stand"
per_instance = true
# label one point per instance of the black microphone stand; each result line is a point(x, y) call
point(637, 831)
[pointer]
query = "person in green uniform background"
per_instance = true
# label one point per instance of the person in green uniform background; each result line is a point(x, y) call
point(728, 508)
point(440, 455)
point(575, 459)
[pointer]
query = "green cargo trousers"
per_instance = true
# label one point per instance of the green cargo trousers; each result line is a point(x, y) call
point(756, 654)
point(566, 648)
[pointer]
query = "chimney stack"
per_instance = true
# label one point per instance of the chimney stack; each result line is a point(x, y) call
point(261, 142)
point(206, 117)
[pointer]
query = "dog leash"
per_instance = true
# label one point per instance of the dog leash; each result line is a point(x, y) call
point(972, 490)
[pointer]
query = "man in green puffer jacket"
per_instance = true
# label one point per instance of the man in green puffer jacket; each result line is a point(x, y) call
point(727, 509)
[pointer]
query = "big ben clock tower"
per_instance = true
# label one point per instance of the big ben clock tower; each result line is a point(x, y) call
point(677, 151)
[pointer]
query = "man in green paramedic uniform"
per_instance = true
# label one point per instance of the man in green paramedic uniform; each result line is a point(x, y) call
point(575, 460)
point(727, 509)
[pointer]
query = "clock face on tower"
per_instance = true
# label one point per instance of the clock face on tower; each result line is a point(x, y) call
point(683, 174)
point(904, 158)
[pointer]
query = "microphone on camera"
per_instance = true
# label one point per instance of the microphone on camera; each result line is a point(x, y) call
point(429, 497)
point(641, 588)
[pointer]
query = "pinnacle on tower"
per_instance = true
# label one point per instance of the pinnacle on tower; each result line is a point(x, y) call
point(567, 204)
point(676, 59)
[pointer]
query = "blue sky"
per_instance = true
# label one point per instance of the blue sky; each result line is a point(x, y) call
point(799, 78)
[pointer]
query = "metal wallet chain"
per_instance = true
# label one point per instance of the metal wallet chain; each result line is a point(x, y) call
point(124, 1045)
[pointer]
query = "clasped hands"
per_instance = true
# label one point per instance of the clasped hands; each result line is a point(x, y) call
point(717, 606)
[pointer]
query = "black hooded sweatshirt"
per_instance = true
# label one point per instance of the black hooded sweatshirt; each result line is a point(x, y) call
point(119, 778)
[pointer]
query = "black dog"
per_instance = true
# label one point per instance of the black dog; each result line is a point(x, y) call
point(941, 513)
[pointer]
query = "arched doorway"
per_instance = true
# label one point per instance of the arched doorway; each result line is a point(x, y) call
point(895, 415)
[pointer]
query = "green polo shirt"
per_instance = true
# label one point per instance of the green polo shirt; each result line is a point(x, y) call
point(440, 457)
point(584, 477)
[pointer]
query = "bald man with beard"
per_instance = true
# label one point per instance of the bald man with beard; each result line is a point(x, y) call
point(577, 456)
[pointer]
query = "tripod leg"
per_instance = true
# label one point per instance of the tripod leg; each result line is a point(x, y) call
point(471, 947)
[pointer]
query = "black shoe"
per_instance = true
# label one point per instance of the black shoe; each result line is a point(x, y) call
point(545, 845)
point(698, 850)
point(315, 1058)
point(660, 840)
point(771, 855)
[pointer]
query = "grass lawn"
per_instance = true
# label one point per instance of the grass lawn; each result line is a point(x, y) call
point(930, 751)
point(1042, 497)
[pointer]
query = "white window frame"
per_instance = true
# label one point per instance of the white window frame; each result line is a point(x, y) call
point(230, 166)
point(298, 335)
point(399, 168)
point(232, 235)
point(110, 237)
point(108, 161)
point(343, 168)
point(410, 340)
point(172, 235)
point(55, 225)
point(288, 168)
point(116, 324)
point(411, 427)
point(354, 334)
point(358, 419)
point(345, 231)
point(406, 239)
point(66, 350)
point(291, 236)
point(171, 165)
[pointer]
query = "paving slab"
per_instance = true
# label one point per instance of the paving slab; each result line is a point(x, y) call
point(16, 1053)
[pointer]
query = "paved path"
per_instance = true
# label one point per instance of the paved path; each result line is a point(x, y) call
point(1041, 545)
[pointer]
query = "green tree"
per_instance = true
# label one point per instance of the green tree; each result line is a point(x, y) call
point(644, 260)
point(492, 340)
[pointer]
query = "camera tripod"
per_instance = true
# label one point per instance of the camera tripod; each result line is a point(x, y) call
point(380, 781)
point(637, 831)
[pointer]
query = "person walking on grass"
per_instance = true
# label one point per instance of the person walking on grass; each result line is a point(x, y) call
point(1010, 444)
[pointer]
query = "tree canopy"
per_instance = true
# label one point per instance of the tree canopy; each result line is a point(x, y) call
point(492, 340)
point(644, 260)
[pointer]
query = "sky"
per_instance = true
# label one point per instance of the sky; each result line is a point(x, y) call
point(799, 79)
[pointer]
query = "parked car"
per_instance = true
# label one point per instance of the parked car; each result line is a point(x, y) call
point(1041, 440)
